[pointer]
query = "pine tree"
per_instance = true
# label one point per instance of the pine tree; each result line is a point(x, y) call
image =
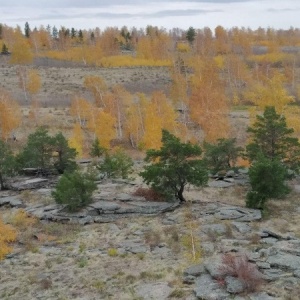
point(4, 49)
point(7, 163)
point(272, 139)
point(173, 166)
point(27, 30)
point(190, 35)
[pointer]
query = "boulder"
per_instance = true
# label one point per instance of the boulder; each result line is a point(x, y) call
point(234, 285)
point(208, 289)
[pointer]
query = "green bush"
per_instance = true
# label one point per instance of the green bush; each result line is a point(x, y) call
point(267, 179)
point(74, 190)
point(221, 156)
point(117, 164)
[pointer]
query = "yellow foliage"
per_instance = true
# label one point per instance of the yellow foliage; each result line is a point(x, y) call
point(10, 114)
point(292, 114)
point(274, 57)
point(183, 47)
point(129, 61)
point(272, 93)
point(220, 61)
point(135, 114)
point(33, 82)
point(104, 128)
point(7, 235)
point(98, 87)
point(21, 220)
point(208, 104)
point(81, 109)
point(76, 141)
point(159, 114)
point(21, 52)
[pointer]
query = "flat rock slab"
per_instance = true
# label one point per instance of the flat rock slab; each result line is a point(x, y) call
point(28, 184)
point(284, 261)
point(239, 214)
point(103, 205)
point(12, 201)
point(220, 184)
point(151, 291)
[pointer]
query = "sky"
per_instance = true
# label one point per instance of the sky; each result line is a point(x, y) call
point(89, 14)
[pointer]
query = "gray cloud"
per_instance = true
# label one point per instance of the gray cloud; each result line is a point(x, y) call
point(98, 3)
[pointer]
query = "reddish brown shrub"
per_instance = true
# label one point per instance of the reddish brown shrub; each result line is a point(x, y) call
point(240, 267)
point(149, 194)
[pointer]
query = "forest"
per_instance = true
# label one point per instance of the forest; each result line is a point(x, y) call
point(212, 72)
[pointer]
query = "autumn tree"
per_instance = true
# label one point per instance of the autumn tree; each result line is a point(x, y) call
point(135, 117)
point(270, 93)
point(76, 140)
point(97, 86)
point(20, 50)
point(208, 104)
point(10, 115)
point(116, 102)
point(173, 166)
point(159, 115)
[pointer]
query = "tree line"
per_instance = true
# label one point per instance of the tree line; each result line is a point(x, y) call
point(273, 152)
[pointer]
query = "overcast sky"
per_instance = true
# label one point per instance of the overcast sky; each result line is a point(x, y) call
point(86, 14)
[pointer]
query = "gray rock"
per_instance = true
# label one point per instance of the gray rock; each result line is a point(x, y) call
point(153, 291)
point(124, 197)
point(243, 171)
point(269, 240)
point(105, 205)
point(134, 246)
point(85, 221)
point(263, 265)
point(208, 248)
point(12, 201)
point(238, 213)
point(234, 285)
point(297, 273)
point(230, 173)
point(241, 227)
point(272, 274)
point(228, 214)
point(208, 289)
point(216, 228)
point(220, 184)
point(195, 270)
point(261, 296)
point(213, 266)
point(284, 261)
point(27, 184)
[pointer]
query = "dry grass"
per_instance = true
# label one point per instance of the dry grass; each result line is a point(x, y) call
point(241, 268)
